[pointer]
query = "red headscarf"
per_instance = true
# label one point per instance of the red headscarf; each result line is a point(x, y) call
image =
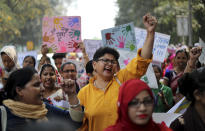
point(127, 93)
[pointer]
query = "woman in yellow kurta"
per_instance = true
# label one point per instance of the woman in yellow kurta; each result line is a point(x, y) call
point(100, 96)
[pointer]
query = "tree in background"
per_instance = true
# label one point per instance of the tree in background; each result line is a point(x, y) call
point(199, 15)
point(133, 10)
point(21, 20)
point(166, 12)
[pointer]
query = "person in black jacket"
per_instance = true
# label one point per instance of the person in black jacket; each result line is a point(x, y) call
point(22, 99)
point(192, 86)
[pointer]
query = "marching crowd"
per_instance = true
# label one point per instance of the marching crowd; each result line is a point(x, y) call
point(112, 99)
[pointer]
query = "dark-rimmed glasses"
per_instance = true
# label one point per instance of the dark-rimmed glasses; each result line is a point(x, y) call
point(107, 61)
point(137, 103)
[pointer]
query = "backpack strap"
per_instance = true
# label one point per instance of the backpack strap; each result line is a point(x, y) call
point(3, 118)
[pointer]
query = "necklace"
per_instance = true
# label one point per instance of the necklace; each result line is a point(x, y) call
point(94, 83)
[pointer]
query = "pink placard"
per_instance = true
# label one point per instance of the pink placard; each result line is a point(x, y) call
point(62, 33)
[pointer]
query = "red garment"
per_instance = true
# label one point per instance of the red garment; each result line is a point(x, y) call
point(127, 93)
point(174, 83)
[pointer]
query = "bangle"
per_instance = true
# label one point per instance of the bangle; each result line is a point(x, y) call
point(74, 106)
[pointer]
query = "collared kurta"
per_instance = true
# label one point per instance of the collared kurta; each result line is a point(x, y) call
point(101, 106)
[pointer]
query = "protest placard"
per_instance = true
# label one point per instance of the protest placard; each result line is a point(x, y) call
point(91, 46)
point(120, 37)
point(79, 65)
point(62, 33)
point(150, 77)
point(161, 42)
point(180, 107)
point(125, 57)
point(23, 54)
point(202, 56)
point(81, 73)
point(168, 118)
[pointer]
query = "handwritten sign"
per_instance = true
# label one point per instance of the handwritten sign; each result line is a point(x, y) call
point(62, 33)
point(161, 42)
point(121, 37)
point(91, 46)
point(22, 55)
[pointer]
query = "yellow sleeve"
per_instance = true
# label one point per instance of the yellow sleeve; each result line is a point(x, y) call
point(136, 68)
point(81, 96)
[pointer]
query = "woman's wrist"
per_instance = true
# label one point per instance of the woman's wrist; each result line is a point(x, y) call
point(191, 64)
point(74, 105)
point(73, 99)
point(150, 33)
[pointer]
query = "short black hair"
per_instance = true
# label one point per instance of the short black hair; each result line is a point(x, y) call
point(68, 63)
point(44, 66)
point(58, 55)
point(32, 57)
point(190, 82)
point(106, 50)
point(18, 78)
point(89, 67)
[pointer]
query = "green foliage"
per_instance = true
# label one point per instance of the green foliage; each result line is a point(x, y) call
point(199, 17)
point(21, 20)
point(133, 10)
point(166, 12)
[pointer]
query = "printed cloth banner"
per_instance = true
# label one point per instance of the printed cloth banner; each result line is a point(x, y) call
point(120, 37)
point(91, 46)
point(62, 33)
point(161, 42)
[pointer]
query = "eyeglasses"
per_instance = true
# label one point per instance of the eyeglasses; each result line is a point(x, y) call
point(107, 61)
point(146, 102)
point(67, 71)
point(5, 79)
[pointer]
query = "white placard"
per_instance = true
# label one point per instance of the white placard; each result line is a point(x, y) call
point(120, 37)
point(161, 41)
point(150, 78)
point(125, 57)
point(23, 54)
point(168, 118)
point(79, 65)
point(202, 56)
point(91, 46)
